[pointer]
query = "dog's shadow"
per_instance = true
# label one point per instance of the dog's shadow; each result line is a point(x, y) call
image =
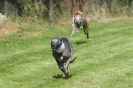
point(60, 76)
point(80, 42)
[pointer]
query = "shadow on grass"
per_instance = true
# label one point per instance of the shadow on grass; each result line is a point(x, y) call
point(60, 76)
point(79, 42)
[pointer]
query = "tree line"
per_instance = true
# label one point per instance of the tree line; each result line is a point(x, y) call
point(50, 9)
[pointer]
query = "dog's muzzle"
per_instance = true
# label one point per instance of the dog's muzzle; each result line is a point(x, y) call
point(78, 24)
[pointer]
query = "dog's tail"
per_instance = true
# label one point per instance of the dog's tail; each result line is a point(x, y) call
point(73, 59)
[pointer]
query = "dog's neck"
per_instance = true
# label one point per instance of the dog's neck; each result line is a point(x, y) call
point(61, 48)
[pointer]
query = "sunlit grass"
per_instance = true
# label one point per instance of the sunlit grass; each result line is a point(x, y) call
point(103, 61)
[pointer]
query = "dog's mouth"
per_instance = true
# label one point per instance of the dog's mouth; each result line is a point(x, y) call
point(78, 24)
point(54, 49)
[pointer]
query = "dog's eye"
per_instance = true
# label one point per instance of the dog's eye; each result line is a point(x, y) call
point(58, 41)
point(79, 18)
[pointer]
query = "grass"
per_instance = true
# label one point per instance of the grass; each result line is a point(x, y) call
point(103, 61)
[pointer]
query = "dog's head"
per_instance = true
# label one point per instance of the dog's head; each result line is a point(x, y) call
point(56, 43)
point(78, 18)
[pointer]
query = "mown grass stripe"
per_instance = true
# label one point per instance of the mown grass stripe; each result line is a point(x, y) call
point(102, 61)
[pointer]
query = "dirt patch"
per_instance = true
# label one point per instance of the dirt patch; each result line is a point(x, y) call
point(8, 28)
point(31, 35)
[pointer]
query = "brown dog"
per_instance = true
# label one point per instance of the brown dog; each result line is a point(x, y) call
point(79, 22)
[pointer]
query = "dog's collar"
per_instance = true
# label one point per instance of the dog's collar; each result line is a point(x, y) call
point(61, 48)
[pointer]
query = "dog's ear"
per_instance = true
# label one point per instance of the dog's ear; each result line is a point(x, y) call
point(58, 38)
point(51, 42)
point(78, 13)
point(52, 39)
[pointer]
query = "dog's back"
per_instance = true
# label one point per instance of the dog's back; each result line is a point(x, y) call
point(69, 48)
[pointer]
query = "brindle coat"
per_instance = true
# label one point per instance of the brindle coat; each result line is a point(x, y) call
point(80, 23)
point(64, 57)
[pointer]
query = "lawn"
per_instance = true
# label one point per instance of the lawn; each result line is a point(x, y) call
point(103, 61)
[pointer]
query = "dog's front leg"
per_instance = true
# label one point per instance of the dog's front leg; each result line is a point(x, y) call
point(66, 64)
point(65, 70)
point(74, 30)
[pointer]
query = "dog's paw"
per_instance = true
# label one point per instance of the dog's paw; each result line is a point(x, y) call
point(65, 76)
point(61, 58)
point(71, 35)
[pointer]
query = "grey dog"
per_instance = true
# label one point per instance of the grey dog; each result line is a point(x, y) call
point(62, 52)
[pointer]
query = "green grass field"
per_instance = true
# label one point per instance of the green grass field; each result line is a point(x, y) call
point(103, 61)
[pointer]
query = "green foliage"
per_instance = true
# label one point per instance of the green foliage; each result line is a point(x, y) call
point(53, 9)
point(121, 8)
point(28, 8)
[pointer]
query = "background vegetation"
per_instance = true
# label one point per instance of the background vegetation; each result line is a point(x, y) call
point(49, 10)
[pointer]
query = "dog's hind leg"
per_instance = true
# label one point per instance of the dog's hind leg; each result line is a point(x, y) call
point(64, 70)
point(60, 65)
point(66, 66)
point(86, 30)
point(87, 34)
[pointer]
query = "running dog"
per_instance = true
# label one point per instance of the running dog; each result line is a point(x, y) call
point(62, 52)
point(79, 23)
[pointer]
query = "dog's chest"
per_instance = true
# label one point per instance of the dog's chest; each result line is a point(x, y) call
point(79, 26)
point(61, 48)
point(60, 57)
